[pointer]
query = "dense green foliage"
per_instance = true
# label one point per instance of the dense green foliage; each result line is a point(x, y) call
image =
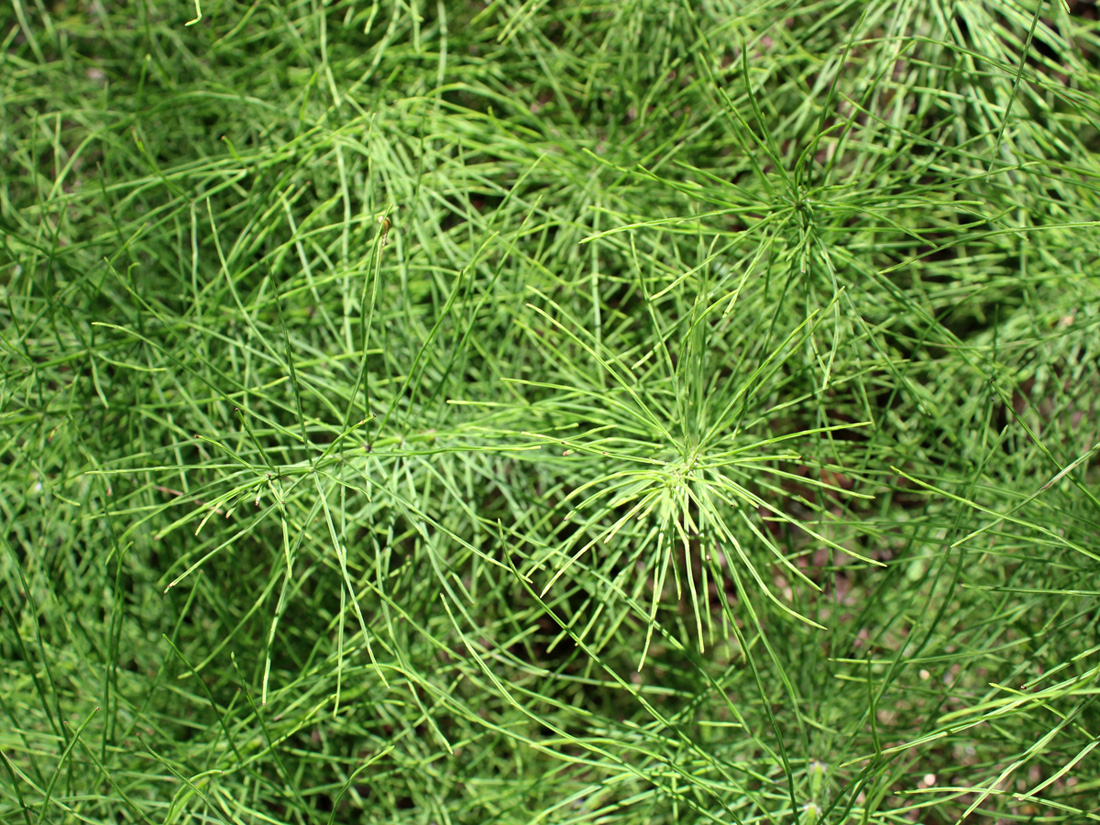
point(549, 411)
